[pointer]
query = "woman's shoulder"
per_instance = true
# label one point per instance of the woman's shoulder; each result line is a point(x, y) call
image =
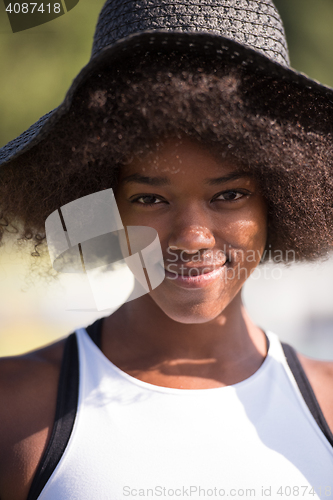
point(28, 393)
point(320, 376)
point(51, 353)
point(22, 374)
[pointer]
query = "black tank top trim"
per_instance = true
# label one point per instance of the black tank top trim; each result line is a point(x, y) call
point(95, 332)
point(306, 390)
point(67, 399)
point(66, 408)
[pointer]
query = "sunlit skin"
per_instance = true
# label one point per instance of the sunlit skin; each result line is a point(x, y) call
point(207, 211)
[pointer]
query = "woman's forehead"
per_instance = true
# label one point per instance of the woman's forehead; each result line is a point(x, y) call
point(180, 156)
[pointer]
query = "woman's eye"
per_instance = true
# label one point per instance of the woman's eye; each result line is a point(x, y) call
point(151, 199)
point(230, 196)
point(147, 199)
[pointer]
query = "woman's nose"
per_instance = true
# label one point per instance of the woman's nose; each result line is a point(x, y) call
point(191, 238)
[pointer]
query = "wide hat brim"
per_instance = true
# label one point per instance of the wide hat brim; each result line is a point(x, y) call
point(314, 101)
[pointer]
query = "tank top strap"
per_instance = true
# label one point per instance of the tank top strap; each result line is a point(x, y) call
point(287, 355)
point(66, 409)
point(306, 390)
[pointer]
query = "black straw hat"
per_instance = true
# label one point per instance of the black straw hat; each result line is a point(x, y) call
point(246, 33)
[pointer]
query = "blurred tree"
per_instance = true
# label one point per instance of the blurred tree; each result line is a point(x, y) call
point(308, 26)
point(39, 64)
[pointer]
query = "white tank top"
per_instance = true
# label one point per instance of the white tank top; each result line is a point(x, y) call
point(130, 439)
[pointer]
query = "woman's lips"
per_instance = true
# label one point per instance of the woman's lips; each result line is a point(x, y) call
point(195, 277)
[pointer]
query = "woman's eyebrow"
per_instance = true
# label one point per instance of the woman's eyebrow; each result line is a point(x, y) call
point(164, 181)
point(236, 174)
point(145, 179)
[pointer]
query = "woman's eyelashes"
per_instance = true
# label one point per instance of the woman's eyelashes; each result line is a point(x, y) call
point(148, 199)
point(231, 195)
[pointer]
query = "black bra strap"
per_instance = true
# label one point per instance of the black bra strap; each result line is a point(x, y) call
point(306, 390)
point(66, 408)
point(95, 332)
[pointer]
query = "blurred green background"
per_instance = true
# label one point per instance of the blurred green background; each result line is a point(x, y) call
point(39, 64)
point(37, 68)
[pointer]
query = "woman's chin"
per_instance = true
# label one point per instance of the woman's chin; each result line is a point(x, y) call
point(194, 307)
point(193, 319)
point(191, 313)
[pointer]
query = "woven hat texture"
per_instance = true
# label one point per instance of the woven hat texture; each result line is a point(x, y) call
point(246, 33)
point(255, 24)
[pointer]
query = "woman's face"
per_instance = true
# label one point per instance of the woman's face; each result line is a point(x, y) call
point(211, 221)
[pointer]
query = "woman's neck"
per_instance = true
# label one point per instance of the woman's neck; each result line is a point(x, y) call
point(143, 341)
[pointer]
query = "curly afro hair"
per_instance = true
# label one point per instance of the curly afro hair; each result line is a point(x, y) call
point(120, 112)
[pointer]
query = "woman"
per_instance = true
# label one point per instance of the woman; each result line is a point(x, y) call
point(192, 117)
